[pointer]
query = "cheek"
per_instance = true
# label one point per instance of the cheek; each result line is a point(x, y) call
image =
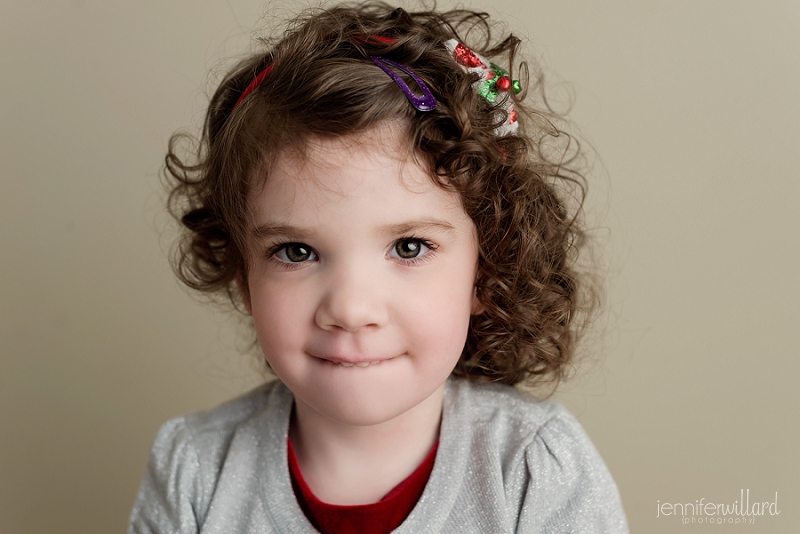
point(279, 316)
point(439, 318)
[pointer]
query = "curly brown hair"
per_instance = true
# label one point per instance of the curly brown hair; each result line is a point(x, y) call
point(523, 192)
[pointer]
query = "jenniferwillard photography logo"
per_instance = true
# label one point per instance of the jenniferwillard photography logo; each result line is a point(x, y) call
point(742, 511)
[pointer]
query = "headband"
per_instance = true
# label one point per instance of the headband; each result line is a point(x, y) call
point(255, 83)
point(493, 82)
point(361, 40)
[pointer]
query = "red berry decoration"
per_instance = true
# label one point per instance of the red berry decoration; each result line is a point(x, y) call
point(493, 85)
point(503, 83)
point(466, 57)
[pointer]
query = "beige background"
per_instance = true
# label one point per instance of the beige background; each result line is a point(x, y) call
point(693, 106)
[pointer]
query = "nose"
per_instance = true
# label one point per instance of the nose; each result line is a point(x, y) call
point(353, 299)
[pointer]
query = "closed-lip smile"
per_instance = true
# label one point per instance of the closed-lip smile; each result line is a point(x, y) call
point(351, 362)
point(359, 364)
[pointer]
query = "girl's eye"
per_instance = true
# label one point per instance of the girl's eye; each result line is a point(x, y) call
point(409, 248)
point(294, 253)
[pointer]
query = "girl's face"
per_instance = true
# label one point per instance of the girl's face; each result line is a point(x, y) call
point(361, 278)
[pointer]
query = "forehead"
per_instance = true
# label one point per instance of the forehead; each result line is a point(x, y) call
point(360, 172)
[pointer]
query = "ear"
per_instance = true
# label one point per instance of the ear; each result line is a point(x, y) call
point(244, 291)
point(477, 307)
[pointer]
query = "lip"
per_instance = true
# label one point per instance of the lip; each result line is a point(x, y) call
point(349, 361)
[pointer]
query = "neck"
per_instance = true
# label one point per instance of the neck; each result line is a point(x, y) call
point(359, 464)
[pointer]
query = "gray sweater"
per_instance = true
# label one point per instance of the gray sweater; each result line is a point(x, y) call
point(506, 463)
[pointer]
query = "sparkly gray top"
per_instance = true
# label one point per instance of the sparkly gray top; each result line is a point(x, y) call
point(505, 463)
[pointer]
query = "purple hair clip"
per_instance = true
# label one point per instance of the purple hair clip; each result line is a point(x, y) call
point(426, 102)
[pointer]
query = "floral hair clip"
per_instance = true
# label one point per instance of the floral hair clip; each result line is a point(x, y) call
point(493, 84)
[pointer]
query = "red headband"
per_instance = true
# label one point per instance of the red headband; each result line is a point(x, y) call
point(255, 83)
point(264, 73)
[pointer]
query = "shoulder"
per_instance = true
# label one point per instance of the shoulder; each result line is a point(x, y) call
point(502, 407)
point(187, 455)
point(207, 432)
point(222, 421)
point(206, 435)
point(552, 475)
point(518, 422)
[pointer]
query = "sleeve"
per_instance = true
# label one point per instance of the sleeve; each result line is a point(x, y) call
point(570, 488)
point(167, 497)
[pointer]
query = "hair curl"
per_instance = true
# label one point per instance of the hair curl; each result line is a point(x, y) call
point(523, 192)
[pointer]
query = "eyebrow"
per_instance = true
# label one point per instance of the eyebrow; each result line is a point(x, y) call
point(267, 230)
point(422, 225)
point(264, 231)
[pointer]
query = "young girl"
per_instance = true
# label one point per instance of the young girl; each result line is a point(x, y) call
point(375, 194)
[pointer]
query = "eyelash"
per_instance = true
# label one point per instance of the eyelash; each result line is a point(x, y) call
point(277, 247)
point(291, 266)
point(424, 257)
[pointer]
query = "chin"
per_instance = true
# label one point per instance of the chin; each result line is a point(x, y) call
point(363, 414)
